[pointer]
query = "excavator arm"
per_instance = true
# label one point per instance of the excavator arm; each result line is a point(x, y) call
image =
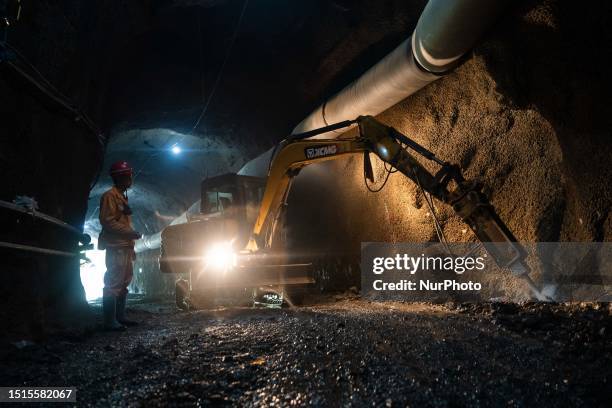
point(292, 156)
point(446, 185)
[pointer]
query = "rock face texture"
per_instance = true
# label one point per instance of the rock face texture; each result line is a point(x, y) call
point(526, 114)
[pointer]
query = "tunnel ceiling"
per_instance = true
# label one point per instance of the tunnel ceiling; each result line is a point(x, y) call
point(286, 57)
point(249, 83)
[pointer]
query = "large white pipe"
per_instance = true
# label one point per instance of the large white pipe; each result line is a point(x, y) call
point(388, 82)
point(446, 30)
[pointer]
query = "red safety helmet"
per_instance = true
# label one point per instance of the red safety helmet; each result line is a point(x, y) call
point(119, 168)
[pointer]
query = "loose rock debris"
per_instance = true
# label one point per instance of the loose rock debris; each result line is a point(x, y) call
point(342, 352)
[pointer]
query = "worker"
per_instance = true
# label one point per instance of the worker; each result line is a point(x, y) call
point(117, 238)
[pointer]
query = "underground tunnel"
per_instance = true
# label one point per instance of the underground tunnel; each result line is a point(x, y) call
point(328, 203)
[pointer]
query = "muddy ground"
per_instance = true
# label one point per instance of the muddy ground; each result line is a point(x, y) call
point(341, 351)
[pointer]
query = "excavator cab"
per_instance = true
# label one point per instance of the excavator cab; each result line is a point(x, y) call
point(208, 249)
point(234, 198)
point(228, 209)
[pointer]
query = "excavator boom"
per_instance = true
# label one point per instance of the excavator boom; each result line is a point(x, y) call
point(226, 197)
point(394, 148)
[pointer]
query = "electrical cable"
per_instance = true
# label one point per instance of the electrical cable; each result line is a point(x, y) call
point(390, 169)
point(428, 200)
point(370, 189)
point(439, 230)
point(214, 88)
point(33, 68)
point(220, 74)
point(432, 209)
point(59, 97)
point(430, 204)
point(50, 91)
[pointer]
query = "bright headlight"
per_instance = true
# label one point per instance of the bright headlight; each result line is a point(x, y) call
point(220, 256)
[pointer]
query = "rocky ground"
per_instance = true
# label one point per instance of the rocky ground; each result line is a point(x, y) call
point(341, 351)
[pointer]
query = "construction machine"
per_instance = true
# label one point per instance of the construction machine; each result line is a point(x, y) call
point(231, 244)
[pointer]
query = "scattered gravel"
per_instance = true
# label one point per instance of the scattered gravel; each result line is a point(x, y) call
point(343, 351)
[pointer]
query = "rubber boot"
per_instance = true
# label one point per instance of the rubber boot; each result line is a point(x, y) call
point(121, 301)
point(109, 310)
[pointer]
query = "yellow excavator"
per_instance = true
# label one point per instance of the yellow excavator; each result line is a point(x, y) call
point(231, 242)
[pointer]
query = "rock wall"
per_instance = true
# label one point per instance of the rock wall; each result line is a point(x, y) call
point(527, 113)
point(47, 153)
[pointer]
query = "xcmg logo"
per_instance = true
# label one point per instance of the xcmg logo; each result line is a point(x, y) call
point(321, 151)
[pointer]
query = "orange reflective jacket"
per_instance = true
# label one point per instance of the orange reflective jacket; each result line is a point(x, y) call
point(116, 223)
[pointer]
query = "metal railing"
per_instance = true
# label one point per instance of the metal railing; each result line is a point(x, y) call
point(84, 239)
point(45, 251)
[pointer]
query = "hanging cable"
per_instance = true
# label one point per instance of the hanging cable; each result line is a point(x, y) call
point(432, 209)
point(390, 169)
point(38, 81)
point(370, 189)
point(222, 68)
point(214, 88)
point(49, 90)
